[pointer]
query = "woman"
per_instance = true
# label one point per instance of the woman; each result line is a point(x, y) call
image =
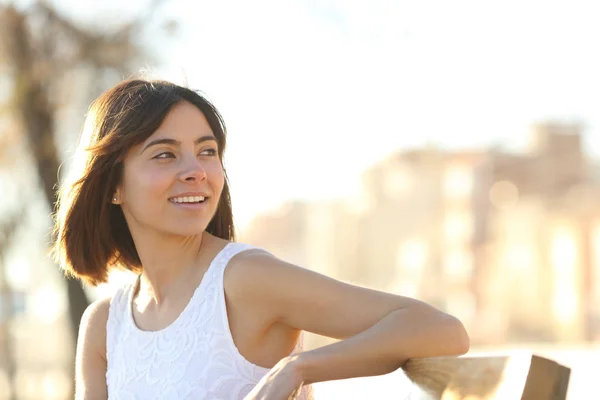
point(206, 318)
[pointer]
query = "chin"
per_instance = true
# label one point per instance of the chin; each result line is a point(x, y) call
point(188, 229)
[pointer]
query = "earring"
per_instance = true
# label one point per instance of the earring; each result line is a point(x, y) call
point(114, 199)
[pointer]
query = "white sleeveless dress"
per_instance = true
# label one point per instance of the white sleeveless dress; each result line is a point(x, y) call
point(193, 358)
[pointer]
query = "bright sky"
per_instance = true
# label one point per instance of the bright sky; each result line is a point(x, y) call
point(315, 91)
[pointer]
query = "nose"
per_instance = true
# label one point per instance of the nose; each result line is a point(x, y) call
point(192, 171)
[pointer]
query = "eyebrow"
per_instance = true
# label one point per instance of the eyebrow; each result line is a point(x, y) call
point(177, 142)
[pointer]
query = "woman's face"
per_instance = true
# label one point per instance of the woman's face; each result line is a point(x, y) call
point(172, 182)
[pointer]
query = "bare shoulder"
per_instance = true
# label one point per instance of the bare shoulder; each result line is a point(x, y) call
point(92, 329)
point(96, 314)
point(249, 268)
point(255, 277)
point(250, 282)
point(256, 267)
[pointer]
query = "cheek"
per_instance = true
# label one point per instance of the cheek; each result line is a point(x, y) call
point(144, 184)
point(216, 177)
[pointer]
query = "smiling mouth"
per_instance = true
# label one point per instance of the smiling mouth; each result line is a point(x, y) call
point(188, 200)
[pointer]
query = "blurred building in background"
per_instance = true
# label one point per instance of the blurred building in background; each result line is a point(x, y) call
point(509, 243)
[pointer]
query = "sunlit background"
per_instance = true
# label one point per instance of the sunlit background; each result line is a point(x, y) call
point(446, 151)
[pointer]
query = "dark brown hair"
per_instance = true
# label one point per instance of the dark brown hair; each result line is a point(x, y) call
point(90, 233)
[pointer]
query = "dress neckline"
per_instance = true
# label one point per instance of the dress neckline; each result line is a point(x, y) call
point(199, 289)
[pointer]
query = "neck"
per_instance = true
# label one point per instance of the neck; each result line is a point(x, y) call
point(168, 263)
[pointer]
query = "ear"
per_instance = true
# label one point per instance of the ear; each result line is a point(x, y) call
point(116, 198)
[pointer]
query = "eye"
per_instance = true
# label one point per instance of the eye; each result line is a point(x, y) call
point(164, 155)
point(208, 152)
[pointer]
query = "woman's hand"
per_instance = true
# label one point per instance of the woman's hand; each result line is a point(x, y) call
point(282, 382)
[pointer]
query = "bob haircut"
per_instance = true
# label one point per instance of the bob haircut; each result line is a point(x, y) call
point(90, 234)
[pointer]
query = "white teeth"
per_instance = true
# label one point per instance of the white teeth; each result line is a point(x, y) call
point(188, 199)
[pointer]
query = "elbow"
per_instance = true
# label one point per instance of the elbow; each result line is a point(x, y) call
point(460, 341)
point(445, 335)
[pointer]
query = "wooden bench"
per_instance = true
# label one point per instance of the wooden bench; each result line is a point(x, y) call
point(522, 375)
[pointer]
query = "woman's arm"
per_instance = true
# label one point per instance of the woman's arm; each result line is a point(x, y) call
point(380, 331)
point(90, 361)
point(383, 348)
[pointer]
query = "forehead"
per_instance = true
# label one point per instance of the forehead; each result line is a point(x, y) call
point(184, 121)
